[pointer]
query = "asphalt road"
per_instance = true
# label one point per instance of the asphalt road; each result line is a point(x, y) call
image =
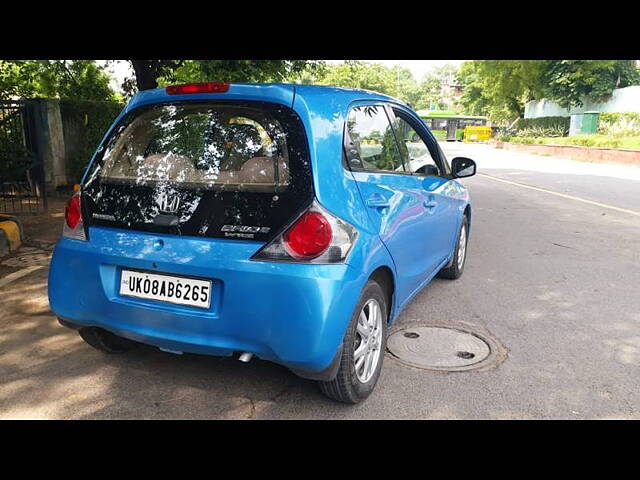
point(556, 280)
point(612, 184)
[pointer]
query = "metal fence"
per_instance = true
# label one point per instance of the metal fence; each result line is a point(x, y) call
point(22, 182)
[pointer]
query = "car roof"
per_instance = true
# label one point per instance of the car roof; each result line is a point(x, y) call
point(283, 93)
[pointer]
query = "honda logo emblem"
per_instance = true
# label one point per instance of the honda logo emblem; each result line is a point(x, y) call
point(168, 204)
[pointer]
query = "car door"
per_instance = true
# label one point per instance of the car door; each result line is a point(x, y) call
point(391, 195)
point(424, 160)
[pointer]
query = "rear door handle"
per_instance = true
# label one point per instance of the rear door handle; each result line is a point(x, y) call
point(377, 201)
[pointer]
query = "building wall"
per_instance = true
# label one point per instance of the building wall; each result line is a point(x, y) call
point(622, 100)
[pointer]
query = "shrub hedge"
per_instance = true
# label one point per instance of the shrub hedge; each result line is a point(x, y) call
point(619, 124)
point(85, 124)
point(614, 117)
point(553, 123)
point(577, 140)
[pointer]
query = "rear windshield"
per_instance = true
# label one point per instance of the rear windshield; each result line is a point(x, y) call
point(232, 170)
point(231, 147)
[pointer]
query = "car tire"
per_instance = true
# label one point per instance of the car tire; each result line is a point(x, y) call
point(454, 271)
point(353, 383)
point(105, 341)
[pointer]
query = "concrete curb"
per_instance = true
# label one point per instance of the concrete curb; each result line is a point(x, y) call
point(623, 156)
point(11, 234)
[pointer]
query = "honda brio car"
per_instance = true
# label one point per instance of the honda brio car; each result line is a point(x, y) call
point(292, 223)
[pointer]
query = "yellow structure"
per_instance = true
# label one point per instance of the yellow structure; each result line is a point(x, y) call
point(12, 234)
point(476, 134)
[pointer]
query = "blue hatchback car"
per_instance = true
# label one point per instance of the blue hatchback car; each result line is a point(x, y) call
point(289, 222)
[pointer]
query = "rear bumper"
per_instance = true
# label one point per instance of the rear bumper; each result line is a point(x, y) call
point(292, 314)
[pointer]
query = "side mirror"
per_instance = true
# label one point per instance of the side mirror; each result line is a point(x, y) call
point(463, 167)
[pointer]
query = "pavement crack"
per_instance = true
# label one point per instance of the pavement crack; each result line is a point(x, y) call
point(283, 392)
point(560, 245)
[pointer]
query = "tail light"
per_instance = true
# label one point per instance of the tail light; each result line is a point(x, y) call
point(315, 237)
point(73, 226)
point(205, 87)
point(309, 237)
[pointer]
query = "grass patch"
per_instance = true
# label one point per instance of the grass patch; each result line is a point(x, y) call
point(603, 141)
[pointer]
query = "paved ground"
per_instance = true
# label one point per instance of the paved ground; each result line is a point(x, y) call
point(613, 184)
point(554, 279)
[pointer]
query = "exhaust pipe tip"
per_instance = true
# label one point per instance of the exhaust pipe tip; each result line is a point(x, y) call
point(246, 357)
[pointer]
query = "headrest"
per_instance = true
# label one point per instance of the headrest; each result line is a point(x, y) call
point(165, 166)
point(261, 170)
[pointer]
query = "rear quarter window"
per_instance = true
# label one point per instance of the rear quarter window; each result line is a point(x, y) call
point(371, 143)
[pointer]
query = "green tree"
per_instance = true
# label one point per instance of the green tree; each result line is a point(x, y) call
point(19, 79)
point(406, 87)
point(397, 81)
point(569, 81)
point(473, 100)
point(153, 73)
point(431, 91)
point(500, 88)
point(389, 154)
point(357, 74)
point(147, 72)
point(66, 79)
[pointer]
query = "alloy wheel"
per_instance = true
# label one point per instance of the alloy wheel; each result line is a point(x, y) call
point(462, 246)
point(368, 341)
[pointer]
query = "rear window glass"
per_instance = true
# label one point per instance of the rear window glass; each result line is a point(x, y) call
point(232, 147)
point(234, 169)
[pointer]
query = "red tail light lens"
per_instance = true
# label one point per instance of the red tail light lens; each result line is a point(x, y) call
point(317, 236)
point(309, 237)
point(72, 214)
point(73, 226)
point(206, 87)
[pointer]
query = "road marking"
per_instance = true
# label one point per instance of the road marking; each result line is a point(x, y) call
point(19, 274)
point(563, 195)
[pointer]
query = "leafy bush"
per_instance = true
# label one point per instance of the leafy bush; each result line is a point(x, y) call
point(503, 136)
point(85, 123)
point(619, 124)
point(590, 141)
point(554, 131)
point(525, 140)
point(578, 140)
point(558, 125)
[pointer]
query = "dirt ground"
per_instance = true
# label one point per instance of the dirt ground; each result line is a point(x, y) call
point(44, 230)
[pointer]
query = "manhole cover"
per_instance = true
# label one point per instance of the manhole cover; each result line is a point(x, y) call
point(438, 348)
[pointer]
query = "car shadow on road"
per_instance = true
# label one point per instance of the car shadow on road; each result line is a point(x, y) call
point(47, 371)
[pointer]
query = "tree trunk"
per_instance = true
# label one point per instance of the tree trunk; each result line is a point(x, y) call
point(146, 75)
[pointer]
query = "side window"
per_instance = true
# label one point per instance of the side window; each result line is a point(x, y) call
point(415, 152)
point(370, 142)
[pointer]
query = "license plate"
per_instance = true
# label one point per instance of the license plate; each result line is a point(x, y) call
point(166, 288)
